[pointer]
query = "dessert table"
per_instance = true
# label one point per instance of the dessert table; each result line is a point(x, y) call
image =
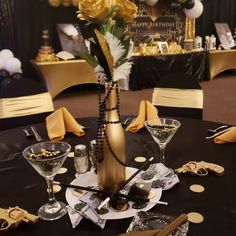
point(22, 186)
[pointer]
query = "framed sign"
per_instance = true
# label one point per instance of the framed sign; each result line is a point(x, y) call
point(163, 46)
point(224, 35)
point(71, 38)
point(157, 23)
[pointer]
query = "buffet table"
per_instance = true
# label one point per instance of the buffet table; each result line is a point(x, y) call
point(21, 185)
point(170, 70)
point(221, 60)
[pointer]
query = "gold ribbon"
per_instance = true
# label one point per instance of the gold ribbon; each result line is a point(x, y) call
point(25, 105)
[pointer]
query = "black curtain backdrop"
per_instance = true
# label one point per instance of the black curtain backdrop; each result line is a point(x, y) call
point(7, 36)
point(216, 11)
point(23, 30)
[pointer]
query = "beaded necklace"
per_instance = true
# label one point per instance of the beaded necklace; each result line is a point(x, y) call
point(102, 122)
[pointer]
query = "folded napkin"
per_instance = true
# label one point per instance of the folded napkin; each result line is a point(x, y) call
point(227, 137)
point(138, 123)
point(60, 122)
point(146, 112)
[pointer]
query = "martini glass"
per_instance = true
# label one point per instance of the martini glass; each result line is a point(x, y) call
point(47, 158)
point(162, 131)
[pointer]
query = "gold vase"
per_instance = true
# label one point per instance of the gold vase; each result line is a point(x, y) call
point(110, 167)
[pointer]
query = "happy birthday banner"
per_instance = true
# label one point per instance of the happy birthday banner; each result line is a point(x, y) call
point(157, 23)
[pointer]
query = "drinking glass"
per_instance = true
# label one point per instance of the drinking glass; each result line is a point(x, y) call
point(47, 158)
point(162, 132)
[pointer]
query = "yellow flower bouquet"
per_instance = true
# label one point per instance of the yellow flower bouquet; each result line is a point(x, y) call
point(112, 43)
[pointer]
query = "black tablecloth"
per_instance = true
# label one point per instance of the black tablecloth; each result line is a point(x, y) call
point(21, 185)
point(172, 71)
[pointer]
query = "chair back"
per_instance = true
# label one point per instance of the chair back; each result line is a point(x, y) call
point(179, 97)
point(24, 102)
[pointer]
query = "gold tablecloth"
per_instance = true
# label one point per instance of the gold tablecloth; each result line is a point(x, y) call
point(61, 75)
point(221, 60)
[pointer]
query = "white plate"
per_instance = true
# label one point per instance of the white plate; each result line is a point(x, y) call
point(90, 179)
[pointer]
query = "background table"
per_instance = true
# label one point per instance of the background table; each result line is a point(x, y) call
point(61, 75)
point(21, 185)
point(221, 60)
point(173, 70)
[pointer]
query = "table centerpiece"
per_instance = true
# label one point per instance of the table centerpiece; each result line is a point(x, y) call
point(110, 58)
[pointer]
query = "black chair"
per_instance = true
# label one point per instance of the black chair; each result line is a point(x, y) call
point(23, 102)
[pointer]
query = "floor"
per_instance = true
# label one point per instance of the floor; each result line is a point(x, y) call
point(219, 99)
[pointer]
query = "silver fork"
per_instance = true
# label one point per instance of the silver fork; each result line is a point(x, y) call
point(218, 133)
point(27, 133)
point(218, 128)
point(36, 134)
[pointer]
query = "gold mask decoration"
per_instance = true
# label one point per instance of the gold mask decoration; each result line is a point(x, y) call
point(66, 3)
point(54, 3)
point(75, 3)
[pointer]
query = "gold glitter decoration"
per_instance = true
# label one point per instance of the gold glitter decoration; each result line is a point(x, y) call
point(105, 50)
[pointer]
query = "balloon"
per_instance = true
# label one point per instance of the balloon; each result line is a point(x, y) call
point(189, 4)
point(176, 6)
point(1, 63)
point(151, 2)
point(5, 82)
point(182, 1)
point(17, 75)
point(4, 74)
point(12, 65)
point(196, 11)
point(6, 54)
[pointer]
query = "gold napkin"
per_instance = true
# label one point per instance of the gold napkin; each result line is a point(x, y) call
point(227, 137)
point(138, 123)
point(60, 122)
point(146, 112)
point(152, 114)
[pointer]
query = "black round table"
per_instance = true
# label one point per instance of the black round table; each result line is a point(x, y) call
point(22, 186)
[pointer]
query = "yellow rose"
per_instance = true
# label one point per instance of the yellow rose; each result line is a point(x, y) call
point(94, 9)
point(127, 10)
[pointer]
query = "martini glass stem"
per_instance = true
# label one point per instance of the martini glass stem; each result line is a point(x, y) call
point(162, 152)
point(52, 203)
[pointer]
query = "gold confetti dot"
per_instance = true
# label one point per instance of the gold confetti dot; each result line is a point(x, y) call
point(195, 217)
point(62, 170)
point(140, 159)
point(197, 188)
point(56, 188)
point(71, 154)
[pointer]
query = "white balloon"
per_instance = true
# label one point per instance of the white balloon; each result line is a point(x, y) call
point(1, 63)
point(151, 2)
point(12, 65)
point(196, 11)
point(5, 54)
